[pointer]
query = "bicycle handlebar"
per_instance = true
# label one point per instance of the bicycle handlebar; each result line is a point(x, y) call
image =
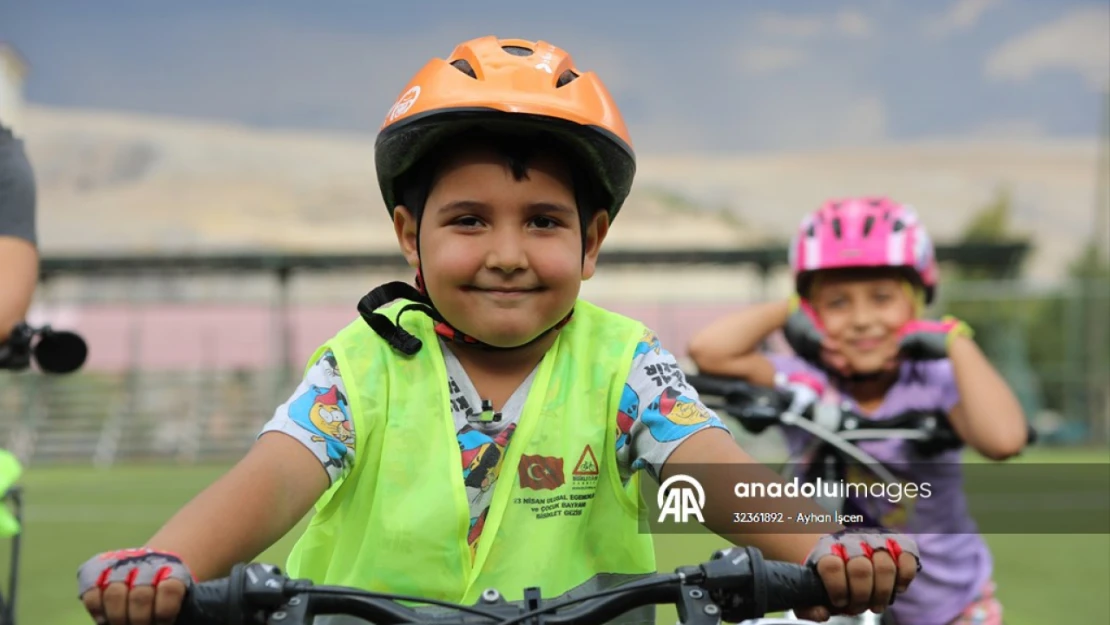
point(736, 584)
point(758, 408)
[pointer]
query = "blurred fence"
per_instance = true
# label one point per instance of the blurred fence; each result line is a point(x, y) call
point(1052, 344)
point(192, 382)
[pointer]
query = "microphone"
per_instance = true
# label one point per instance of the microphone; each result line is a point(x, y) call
point(486, 416)
point(60, 352)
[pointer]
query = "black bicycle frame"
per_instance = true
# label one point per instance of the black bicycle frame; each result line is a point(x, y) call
point(7, 605)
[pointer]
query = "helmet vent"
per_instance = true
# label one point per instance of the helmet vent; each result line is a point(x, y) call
point(517, 50)
point(464, 66)
point(836, 226)
point(868, 224)
point(566, 78)
point(898, 226)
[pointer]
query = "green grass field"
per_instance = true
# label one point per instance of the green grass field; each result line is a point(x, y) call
point(74, 513)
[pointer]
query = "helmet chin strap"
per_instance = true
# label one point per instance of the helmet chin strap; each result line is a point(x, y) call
point(402, 340)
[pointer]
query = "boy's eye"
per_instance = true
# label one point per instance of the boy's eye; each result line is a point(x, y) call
point(468, 221)
point(545, 222)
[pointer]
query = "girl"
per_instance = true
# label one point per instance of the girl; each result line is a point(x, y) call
point(864, 271)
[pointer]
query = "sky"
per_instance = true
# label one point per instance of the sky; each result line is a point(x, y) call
point(726, 76)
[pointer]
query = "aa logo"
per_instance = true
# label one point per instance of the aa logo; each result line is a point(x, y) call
point(680, 501)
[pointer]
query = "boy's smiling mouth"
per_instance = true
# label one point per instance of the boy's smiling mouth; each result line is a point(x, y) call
point(503, 292)
point(508, 290)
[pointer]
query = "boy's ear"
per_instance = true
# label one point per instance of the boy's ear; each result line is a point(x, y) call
point(404, 224)
point(595, 235)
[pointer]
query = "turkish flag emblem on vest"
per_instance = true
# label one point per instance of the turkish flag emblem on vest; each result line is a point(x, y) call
point(540, 472)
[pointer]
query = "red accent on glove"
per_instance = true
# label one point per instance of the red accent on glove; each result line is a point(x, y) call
point(894, 549)
point(867, 550)
point(161, 575)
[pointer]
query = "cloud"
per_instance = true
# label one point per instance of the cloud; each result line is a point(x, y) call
point(274, 72)
point(847, 23)
point(769, 59)
point(1076, 42)
point(843, 118)
point(781, 25)
point(962, 15)
point(862, 121)
point(853, 24)
point(810, 115)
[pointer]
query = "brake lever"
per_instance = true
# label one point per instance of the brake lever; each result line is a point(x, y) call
point(260, 593)
point(292, 612)
point(263, 586)
point(938, 434)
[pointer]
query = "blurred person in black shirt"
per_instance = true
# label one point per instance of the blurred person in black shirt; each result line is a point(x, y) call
point(19, 258)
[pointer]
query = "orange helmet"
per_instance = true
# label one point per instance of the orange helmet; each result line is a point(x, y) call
point(507, 83)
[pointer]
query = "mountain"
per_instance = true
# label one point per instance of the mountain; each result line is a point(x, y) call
point(113, 182)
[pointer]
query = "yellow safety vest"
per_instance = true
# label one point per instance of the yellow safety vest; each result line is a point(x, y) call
point(560, 517)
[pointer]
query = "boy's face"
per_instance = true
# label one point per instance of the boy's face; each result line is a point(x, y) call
point(501, 258)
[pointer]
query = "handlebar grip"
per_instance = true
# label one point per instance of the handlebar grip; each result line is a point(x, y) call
point(756, 407)
point(206, 603)
point(714, 385)
point(793, 586)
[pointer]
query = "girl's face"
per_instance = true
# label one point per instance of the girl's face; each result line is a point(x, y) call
point(862, 312)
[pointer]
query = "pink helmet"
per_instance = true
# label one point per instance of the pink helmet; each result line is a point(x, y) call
point(863, 232)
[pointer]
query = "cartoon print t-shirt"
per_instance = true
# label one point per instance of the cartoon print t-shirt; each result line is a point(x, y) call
point(658, 411)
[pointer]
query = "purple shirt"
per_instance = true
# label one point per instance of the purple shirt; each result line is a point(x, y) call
point(955, 560)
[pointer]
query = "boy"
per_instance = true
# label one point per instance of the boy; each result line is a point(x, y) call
point(502, 168)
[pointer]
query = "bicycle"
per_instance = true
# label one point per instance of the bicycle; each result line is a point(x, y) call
point(735, 584)
point(55, 352)
point(834, 428)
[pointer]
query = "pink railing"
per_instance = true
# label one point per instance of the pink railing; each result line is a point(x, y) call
point(215, 336)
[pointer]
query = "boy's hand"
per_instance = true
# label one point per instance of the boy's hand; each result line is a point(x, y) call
point(863, 569)
point(925, 339)
point(133, 587)
point(803, 330)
